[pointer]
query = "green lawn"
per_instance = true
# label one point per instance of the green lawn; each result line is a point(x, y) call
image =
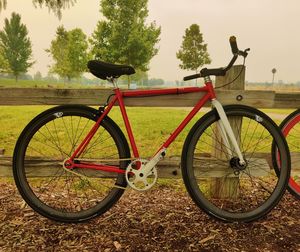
point(151, 126)
point(11, 83)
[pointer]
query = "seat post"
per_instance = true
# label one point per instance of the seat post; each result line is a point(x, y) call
point(113, 81)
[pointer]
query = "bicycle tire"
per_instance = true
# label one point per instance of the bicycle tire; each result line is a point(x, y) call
point(290, 127)
point(264, 188)
point(51, 137)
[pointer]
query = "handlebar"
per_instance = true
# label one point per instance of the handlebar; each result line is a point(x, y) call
point(233, 44)
point(222, 70)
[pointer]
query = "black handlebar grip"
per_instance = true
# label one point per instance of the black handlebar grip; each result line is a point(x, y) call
point(233, 44)
point(191, 77)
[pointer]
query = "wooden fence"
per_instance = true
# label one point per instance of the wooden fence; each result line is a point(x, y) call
point(45, 96)
point(171, 166)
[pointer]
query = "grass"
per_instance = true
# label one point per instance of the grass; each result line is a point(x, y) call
point(278, 111)
point(151, 126)
point(11, 83)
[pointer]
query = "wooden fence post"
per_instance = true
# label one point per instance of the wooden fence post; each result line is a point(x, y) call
point(227, 187)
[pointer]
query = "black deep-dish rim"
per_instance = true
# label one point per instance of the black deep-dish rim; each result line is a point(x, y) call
point(188, 176)
point(20, 177)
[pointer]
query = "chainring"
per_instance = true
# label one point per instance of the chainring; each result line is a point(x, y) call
point(137, 179)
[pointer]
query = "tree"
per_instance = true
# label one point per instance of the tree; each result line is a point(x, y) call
point(155, 82)
point(123, 37)
point(4, 67)
point(38, 76)
point(69, 52)
point(193, 52)
point(54, 5)
point(3, 4)
point(274, 70)
point(16, 46)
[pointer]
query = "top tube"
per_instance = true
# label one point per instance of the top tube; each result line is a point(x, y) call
point(166, 91)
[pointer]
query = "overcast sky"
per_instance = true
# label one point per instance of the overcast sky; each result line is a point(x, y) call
point(271, 28)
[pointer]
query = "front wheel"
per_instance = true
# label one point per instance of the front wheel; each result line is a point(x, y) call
point(291, 130)
point(215, 179)
point(69, 195)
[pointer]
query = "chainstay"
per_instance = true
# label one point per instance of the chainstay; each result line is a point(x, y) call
point(87, 178)
point(104, 160)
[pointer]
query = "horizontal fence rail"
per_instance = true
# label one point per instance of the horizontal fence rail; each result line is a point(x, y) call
point(169, 167)
point(46, 96)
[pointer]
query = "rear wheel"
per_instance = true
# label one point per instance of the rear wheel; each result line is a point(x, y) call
point(213, 176)
point(69, 195)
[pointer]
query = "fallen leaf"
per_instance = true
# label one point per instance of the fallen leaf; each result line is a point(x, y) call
point(117, 245)
point(69, 230)
point(17, 222)
point(207, 239)
point(229, 230)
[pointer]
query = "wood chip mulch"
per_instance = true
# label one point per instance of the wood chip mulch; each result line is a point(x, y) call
point(163, 219)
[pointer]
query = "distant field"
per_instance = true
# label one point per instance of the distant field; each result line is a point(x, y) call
point(280, 88)
point(6, 83)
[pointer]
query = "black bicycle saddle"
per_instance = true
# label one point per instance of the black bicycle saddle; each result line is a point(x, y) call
point(104, 70)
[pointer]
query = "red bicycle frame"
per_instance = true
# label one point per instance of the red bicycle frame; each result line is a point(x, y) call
point(119, 95)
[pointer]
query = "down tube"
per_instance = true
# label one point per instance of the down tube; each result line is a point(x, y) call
point(188, 118)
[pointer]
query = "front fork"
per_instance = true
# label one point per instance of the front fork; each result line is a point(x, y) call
point(227, 132)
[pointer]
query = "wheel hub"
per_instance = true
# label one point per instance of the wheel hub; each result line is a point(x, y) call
point(236, 165)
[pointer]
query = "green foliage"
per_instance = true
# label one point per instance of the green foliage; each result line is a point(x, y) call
point(37, 76)
point(54, 5)
point(193, 52)
point(4, 66)
point(3, 4)
point(16, 46)
point(124, 37)
point(69, 52)
point(139, 76)
point(155, 82)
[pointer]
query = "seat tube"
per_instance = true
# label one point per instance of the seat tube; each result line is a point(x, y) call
point(126, 122)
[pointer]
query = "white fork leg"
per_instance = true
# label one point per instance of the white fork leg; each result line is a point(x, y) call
point(226, 143)
point(227, 130)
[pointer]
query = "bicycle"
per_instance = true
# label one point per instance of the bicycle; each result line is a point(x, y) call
point(290, 127)
point(72, 163)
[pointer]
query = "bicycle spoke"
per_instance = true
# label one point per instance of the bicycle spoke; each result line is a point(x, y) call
point(233, 188)
point(76, 190)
